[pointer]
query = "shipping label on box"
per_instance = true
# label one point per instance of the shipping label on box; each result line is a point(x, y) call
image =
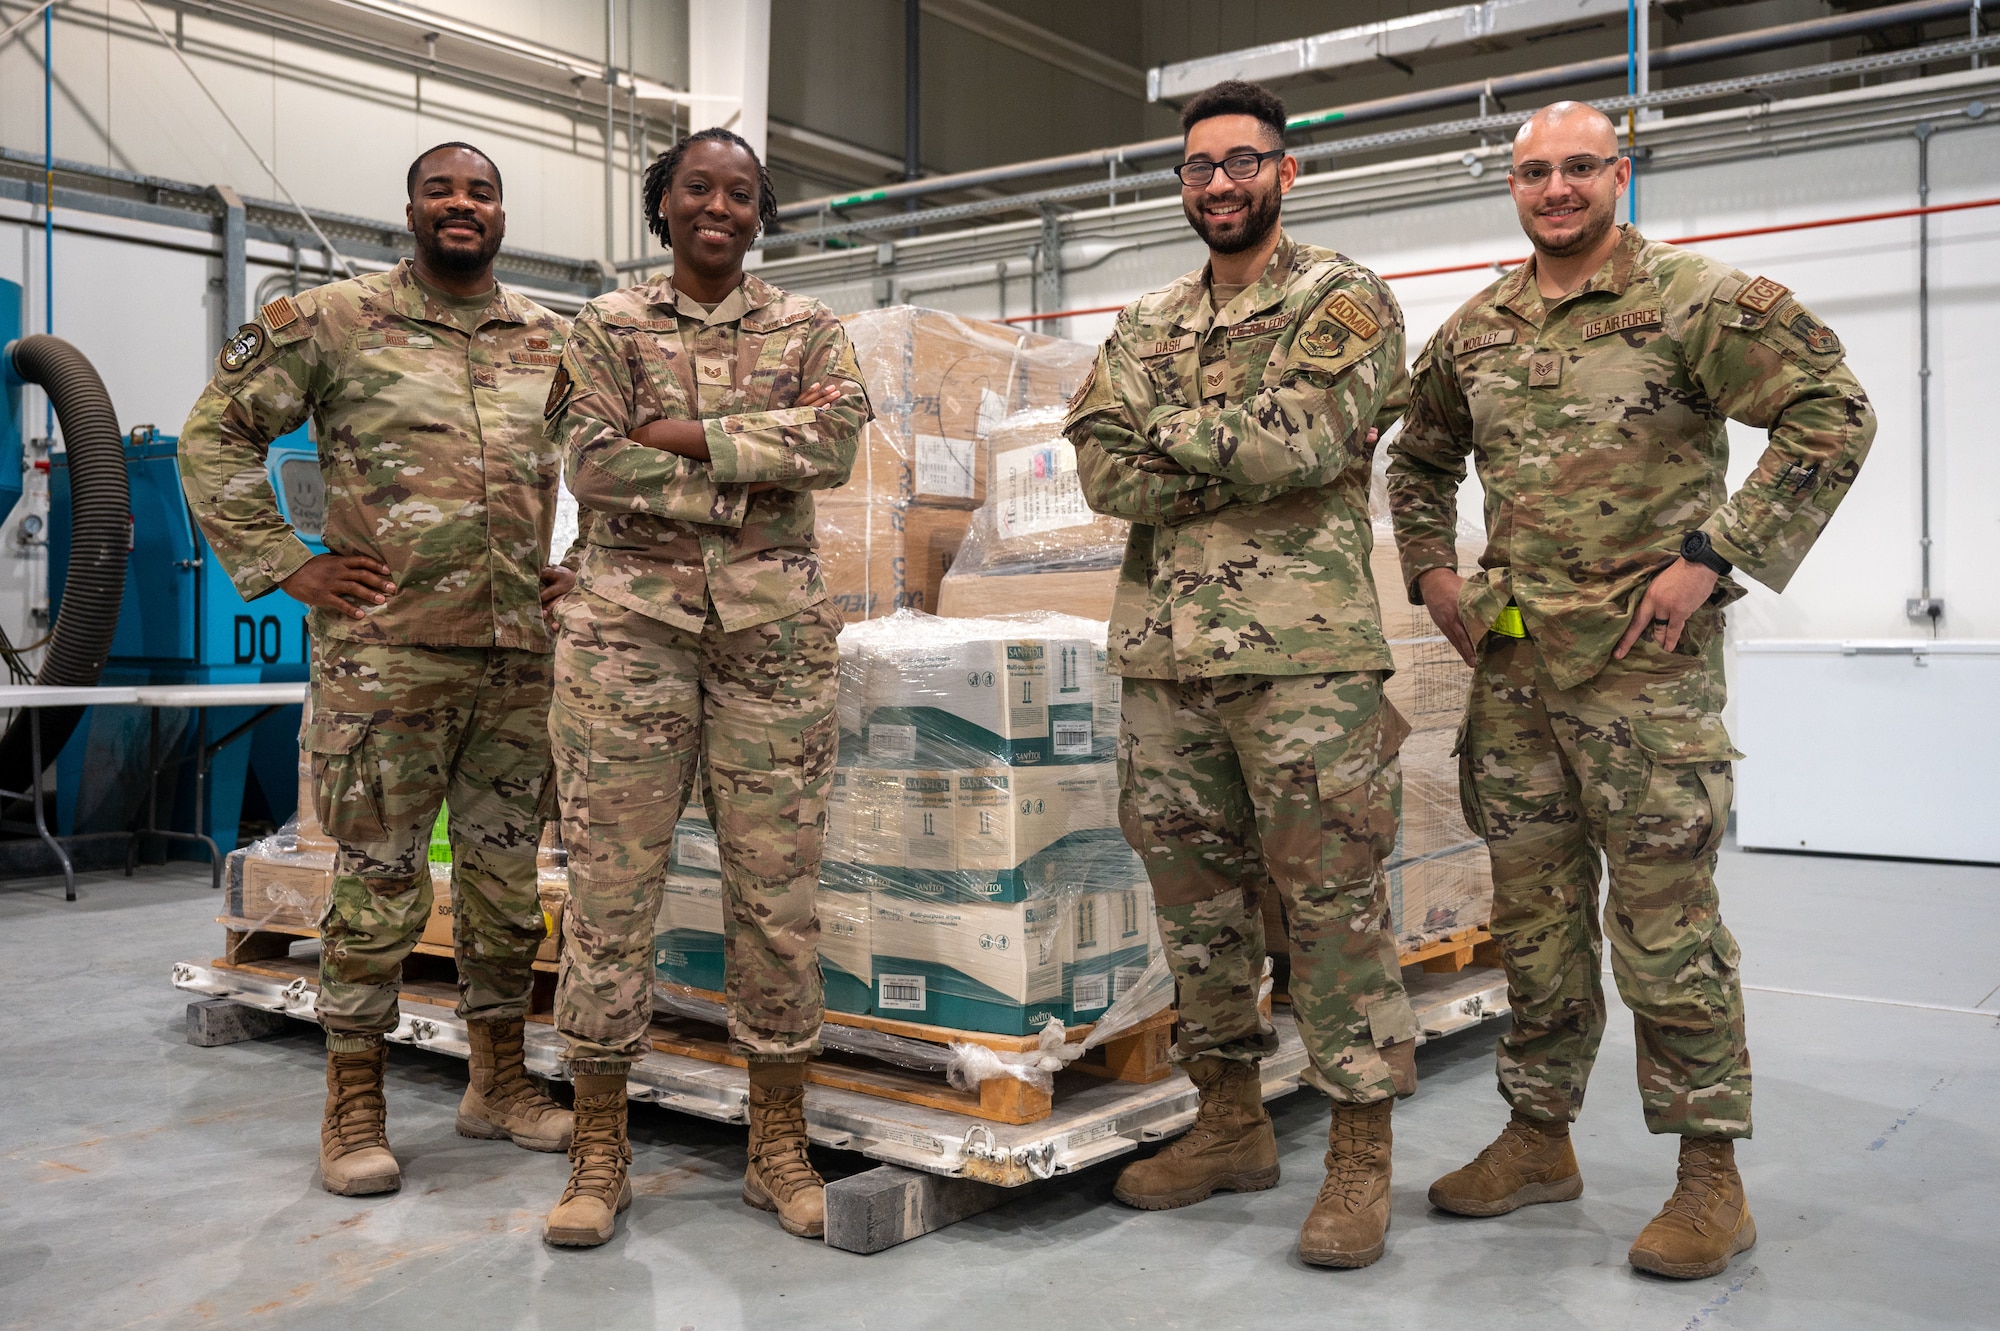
point(946, 468)
point(1036, 489)
point(995, 968)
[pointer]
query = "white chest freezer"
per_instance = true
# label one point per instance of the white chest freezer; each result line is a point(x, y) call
point(1876, 747)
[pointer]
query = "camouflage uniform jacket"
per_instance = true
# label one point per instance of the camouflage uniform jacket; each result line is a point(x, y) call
point(675, 536)
point(1598, 427)
point(1234, 440)
point(430, 445)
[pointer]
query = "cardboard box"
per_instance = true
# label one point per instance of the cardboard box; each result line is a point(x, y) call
point(846, 951)
point(688, 942)
point(994, 968)
point(438, 929)
point(1113, 936)
point(283, 890)
point(946, 699)
point(1084, 593)
point(939, 383)
point(877, 555)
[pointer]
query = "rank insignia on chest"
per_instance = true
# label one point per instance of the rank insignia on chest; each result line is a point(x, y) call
point(1213, 379)
point(243, 348)
point(1323, 341)
point(1545, 369)
point(559, 390)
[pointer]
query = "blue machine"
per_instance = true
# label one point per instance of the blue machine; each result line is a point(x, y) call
point(181, 622)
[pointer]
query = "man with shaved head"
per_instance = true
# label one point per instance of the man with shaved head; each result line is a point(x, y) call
point(1592, 386)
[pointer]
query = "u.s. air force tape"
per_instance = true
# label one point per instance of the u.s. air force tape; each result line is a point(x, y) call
point(243, 348)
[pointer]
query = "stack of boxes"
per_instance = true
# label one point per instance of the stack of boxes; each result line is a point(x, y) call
point(975, 807)
point(688, 937)
point(939, 384)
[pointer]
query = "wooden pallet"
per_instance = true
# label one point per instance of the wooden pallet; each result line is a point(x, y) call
point(254, 940)
point(430, 976)
point(1454, 952)
point(1140, 1055)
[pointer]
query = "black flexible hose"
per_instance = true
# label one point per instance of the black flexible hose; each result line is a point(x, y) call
point(100, 541)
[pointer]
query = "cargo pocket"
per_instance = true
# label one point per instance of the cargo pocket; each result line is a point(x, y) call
point(1689, 785)
point(1360, 799)
point(1468, 792)
point(819, 747)
point(347, 790)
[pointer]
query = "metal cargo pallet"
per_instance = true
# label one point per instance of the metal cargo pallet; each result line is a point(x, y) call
point(940, 1167)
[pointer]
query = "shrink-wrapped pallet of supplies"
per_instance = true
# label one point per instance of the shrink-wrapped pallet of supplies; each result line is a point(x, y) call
point(975, 805)
point(1035, 543)
point(939, 384)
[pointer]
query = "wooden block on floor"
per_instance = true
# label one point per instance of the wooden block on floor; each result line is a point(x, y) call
point(1449, 963)
point(219, 1021)
point(882, 1207)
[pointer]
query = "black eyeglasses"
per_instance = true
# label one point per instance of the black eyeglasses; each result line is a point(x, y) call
point(1238, 166)
point(1577, 171)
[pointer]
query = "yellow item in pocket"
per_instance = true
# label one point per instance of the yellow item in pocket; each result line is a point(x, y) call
point(1509, 624)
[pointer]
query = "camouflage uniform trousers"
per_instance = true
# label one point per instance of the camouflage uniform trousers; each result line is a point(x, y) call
point(1633, 765)
point(394, 731)
point(638, 705)
point(1233, 784)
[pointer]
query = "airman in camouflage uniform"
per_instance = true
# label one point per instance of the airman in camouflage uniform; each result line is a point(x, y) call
point(1257, 751)
point(1597, 422)
point(700, 632)
point(431, 681)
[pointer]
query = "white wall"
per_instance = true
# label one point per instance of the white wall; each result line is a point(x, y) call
point(338, 130)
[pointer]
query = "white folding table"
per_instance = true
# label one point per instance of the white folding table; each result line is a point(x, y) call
point(267, 698)
point(36, 699)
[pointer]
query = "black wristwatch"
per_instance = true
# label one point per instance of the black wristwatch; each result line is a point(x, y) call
point(1696, 548)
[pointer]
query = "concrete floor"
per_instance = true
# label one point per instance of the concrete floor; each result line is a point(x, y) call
point(147, 1182)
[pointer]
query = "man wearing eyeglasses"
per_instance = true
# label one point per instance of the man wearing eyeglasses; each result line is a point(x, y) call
point(1592, 385)
point(1229, 418)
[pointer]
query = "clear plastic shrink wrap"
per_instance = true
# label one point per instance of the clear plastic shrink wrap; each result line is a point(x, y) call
point(974, 806)
point(1440, 879)
point(1035, 519)
point(939, 384)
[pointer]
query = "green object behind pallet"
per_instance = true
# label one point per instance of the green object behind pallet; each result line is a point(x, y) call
point(440, 837)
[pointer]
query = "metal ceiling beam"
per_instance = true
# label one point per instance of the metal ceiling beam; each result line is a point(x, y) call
point(1415, 35)
point(1665, 57)
point(998, 26)
point(1504, 124)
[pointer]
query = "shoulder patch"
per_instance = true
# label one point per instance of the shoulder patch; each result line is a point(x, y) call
point(1761, 295)
point(239, 351)
point(1082, 391)
point(1323, 341)
point(280, 313)
point(560, 389)
point(1347, 310)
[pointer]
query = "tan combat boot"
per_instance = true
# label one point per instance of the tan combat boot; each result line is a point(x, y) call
point(1230, 1148)
point(354, 1159)
point(599, 1160)
point(779, 1177)
point(1349, 1223)
point(502, 1100)
point(1530, 1161)
point(1705, 1223)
